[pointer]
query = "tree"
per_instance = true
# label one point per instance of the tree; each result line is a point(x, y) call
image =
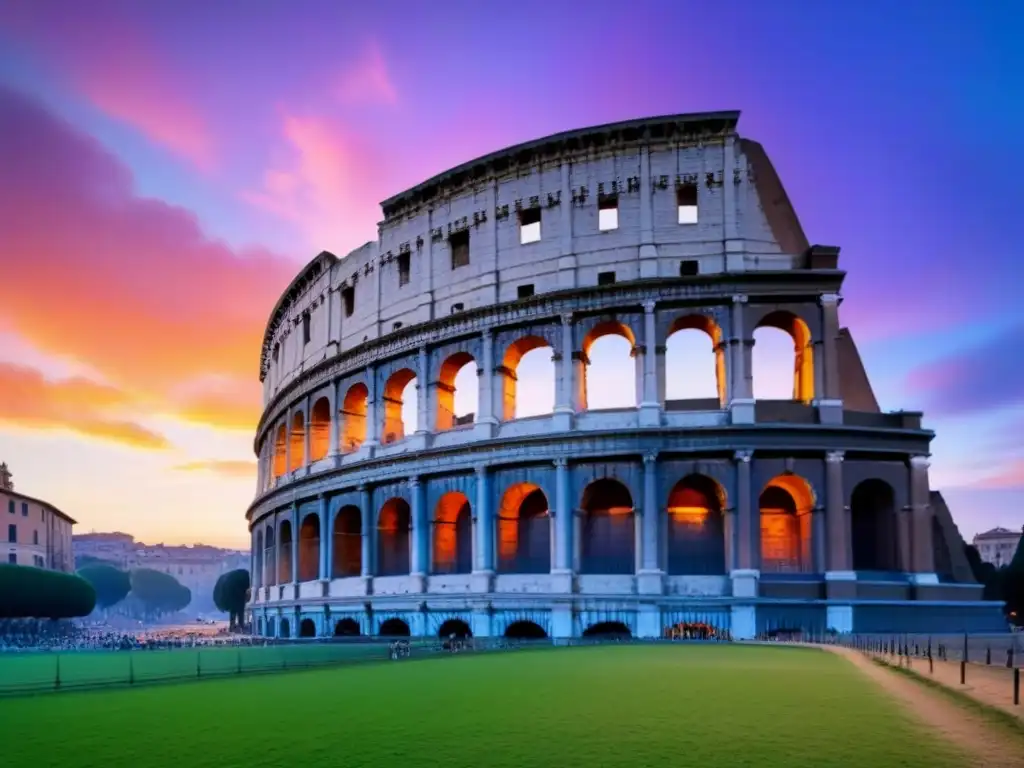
point(111, 584)
point(159, 592)
point(1013, 586)
point(35, 593)
point(985, 574)
point(229, 594)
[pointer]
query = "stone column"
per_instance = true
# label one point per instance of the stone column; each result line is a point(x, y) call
point(367, 519)
point(828, 390)
point(840, 579)
point(567, 257)
point(650, 407)
point(741, 383)
point(819, 539)
point(334, 438)
point(486, 422)
point(287, 442)
point(420, 539)
point(325, 539)
point(563, 411)
point(425, 408)
point(922, 544)
point(483, 573)
point(295, 543)
point(306, 430)
point(746, 574)
point(650, 579)
point(648, 250)
point(374, 416)
point(563, 514)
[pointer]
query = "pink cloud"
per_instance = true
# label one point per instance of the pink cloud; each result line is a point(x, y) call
point(329, 187)
point(368, 80)
point(116, 66)
point(1009, 476)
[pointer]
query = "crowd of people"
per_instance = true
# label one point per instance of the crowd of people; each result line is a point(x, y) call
point(38, 635)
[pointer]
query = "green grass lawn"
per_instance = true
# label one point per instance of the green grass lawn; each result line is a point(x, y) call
point(629, 706)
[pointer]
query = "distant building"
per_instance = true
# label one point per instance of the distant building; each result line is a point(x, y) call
point(37, 533)
point(197, 567)
point(997, 546)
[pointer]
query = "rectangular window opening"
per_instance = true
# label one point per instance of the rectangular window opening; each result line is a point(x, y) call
point(404, 268)
point(458, 307)
point(689, 268)
point(608, 212)
point(686, 202)
point(396, 327)
point(524, 291)
point(529, 226)
point(348, 295)
point(305, 328)
point(606, 278)
point(459, 243)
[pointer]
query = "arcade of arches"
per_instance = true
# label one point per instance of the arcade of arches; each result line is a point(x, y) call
point(357, 413)
point(696, 530)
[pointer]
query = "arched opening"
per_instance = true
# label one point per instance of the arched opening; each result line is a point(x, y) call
point(257, 581)
point(874, 528)
point(524, 530)
point(284, 557)
point(770, 350)
point(695, 360)
point(456, 628)
point(347, 628)
point(525, 630)
point(607, 356)
point(309, 548)
point(393, 538)
point(608, 629)
point(286, 629)
point(270, 555)
point(348, 543)
point(394, 628)
point(527, 375)
point(280, 447)
point(297, 442)
point(307, 628)
point(353, 418)
point(259, 626)
point(457, 392)
point(786, 505)
point(399, 392)
point(271, 627)
point(696, 528)
point(608, 536)
point(319, 429)
point(453, 534)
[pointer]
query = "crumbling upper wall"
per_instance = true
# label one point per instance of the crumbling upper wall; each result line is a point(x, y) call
point(853, 378)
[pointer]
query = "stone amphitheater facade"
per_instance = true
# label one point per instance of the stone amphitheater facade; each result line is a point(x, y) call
point(743, 515)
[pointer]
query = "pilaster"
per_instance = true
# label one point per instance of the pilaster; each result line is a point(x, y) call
point(334, 438)
point(486, 422)
point(648, 250)
point(566, 258)
point(306, 434)
point(650, 407)
point(368, 525)
point(923, 545)
point(420, 539)
point(563, 411)
point(483, 571)
point(563, 520)
point(650, 577)
point(837, 523)
point(295, 543)
point(424, 411)
point(326, 539)
point(746, 575)
point(827, 386)
point(741, 394)
point(374, 415)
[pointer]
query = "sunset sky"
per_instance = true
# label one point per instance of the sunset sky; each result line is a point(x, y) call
point(167, 166)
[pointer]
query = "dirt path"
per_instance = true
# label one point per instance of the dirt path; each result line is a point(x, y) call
point(983, 744)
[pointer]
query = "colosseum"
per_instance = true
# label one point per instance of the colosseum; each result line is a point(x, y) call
point(382, 509)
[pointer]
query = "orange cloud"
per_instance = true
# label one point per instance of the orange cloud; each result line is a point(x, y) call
point(227, 467)
point(131, 286)
point(116, 66)
point(29, 400)
point(330, 188)
point(237, 409)
point(1009, 476)
point(368, 80)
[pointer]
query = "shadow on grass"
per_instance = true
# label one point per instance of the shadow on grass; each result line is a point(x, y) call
point(1011, 724)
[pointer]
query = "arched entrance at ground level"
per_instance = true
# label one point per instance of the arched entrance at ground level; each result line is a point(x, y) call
point(696, 528)
point(786, 505)
point(346, 628)
point(285, 628)
point(524, 531)
point(394, 628)
point(259, 626)
point(525, 630)
point(608, 529)
point(271, 626)
point(307, 628)
point(348, 543)
point(456, 627)
point(453, 534)
point(607, 629)
point(393, 538)
point(874, 528)
point(309, 548)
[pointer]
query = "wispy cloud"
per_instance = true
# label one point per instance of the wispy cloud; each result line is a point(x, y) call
point(227, 467)
point(367, 80)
